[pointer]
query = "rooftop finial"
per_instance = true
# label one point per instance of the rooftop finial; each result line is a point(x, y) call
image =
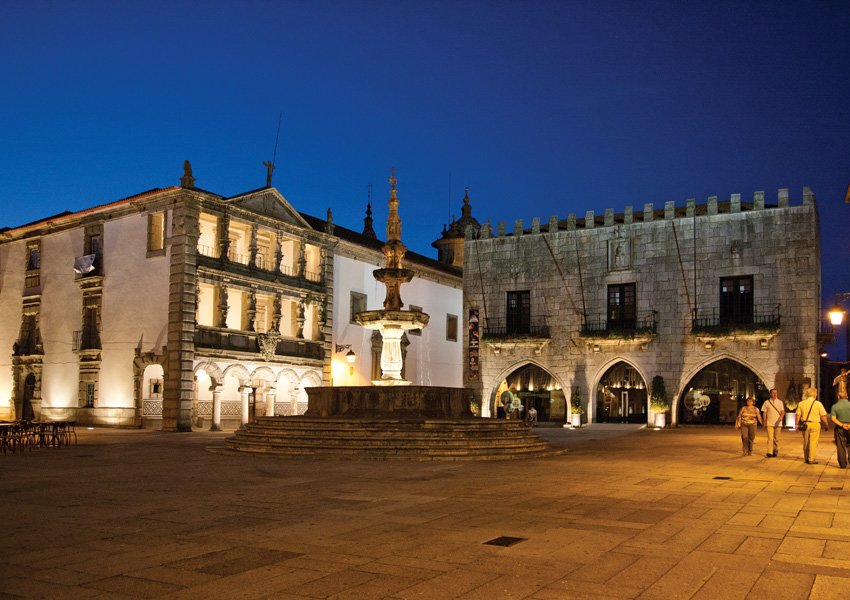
point(187, 181)
point(368, 231)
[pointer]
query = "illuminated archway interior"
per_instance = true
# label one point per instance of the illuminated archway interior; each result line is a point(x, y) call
point(528, 386)
point(621, 395)
point(717, 392)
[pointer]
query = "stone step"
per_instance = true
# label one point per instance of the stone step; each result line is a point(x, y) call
point(390, 438)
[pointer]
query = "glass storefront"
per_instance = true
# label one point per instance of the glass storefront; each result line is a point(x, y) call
point(717, 393)
point(621, 396)
point(530, 386)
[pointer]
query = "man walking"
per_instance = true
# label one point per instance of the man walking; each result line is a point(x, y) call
point(840, 415)
point(773, 410)
point(811, 413)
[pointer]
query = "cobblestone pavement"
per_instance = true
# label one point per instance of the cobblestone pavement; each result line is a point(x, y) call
point(625, 513)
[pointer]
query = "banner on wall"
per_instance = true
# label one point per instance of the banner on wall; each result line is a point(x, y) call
point(473, 343)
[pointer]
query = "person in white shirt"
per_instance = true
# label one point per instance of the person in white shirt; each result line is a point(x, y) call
point(773, 410)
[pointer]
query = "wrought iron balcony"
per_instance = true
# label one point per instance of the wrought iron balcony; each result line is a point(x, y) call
point(764, 319)
point(85, 342)
point(231, 340)
point(30, 346)
point(645, 325)
point(499, 330)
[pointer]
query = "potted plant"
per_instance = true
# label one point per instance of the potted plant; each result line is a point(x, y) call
point(576, 409)
point(658, 401)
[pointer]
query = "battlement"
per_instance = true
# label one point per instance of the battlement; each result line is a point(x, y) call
point(648, 214)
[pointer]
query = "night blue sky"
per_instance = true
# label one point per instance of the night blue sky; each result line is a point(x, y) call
point(540, 108)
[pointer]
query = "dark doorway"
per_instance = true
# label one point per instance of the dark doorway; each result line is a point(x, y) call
point(717, 393)
point(621, 396)
point(27, 412)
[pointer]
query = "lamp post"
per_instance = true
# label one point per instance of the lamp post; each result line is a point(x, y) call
point(837, 315)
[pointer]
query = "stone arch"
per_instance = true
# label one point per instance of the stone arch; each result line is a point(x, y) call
point(239, 372)
point(211, 369)
point(600, 374)
point(286, 402)
point(488, 407)
point(309, 379)
point(264, 373)
point(141, 363)
point(720, 402)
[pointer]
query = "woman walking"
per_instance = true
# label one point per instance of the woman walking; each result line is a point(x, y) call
point(747, 419)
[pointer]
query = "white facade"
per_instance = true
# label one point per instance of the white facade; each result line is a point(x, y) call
point(197, 310)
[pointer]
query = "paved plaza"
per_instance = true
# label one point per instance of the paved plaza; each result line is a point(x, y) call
point(624, 513)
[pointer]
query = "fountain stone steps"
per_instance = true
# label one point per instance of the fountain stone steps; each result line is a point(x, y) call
point(390, 439)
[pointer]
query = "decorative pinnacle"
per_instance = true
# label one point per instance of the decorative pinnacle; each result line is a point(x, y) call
point(393, 220)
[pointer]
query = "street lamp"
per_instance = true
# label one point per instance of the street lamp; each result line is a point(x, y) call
point(837, 315)
point(350, 356)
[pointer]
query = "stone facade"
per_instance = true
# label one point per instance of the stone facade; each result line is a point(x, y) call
point(674, 260)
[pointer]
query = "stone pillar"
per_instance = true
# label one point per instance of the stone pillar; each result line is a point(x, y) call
point(278, 251)
point(179, 376)
point(224, 236)
point(302, 258)
point(758, 201)
point(216, 409)
point(553, 224)
point(690, 207)
point(669, 210)
point(252, 248)
point(518, 227)
point(628, 215)
point(783, 198)
point(271, 395)
point(589, 219)
point(712, 205)
point(500, 229)
point(276, 315)
point(648, 209)
point(222, 306)
point(302, 307)
point(571, 222)
point(252, 310)
point(609, 217)
point(535, 226)
point(244, 391)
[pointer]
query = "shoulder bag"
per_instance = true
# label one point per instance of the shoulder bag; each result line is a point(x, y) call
point(804, 425)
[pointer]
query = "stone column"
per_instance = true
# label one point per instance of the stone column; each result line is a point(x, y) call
point(278, 253)
point(271, 394)
point(252, 310)
point(302, 317)
point(252, 249)
point(222, 306)
point(224, 236)
point(302, 258)
point(245, 391)
point(276, 315)
point(179, 377)
point(216, 409)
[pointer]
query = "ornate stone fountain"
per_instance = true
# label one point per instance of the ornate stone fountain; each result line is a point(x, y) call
point(391, 419)
point(392, 321)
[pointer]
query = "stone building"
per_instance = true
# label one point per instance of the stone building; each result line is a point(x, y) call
point(179, 307)
point(721, 300)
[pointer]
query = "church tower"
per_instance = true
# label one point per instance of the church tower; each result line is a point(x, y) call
point(450, 245)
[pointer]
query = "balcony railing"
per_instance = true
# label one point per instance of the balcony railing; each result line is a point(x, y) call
point(27, 347)
point(765, 318)
point(209, 251)
point(241, 259)
point(646, 324)
point(84, 342)
point(497, 329)
point(247, 341)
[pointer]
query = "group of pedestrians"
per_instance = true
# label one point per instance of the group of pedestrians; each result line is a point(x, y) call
point(809, 417)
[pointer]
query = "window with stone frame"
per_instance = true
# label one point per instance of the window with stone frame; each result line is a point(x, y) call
point(451, 328)
point(156, 233)
point(518, 312)
point(33, 270)
point(622, 306)
point(155, 388)
point(736, 300)
point(89, 396)
point(358, 304)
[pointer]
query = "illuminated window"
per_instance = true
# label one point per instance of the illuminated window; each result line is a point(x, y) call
point(156, 232)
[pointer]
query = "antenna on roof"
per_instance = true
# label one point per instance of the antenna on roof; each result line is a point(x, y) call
point(270, 165)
